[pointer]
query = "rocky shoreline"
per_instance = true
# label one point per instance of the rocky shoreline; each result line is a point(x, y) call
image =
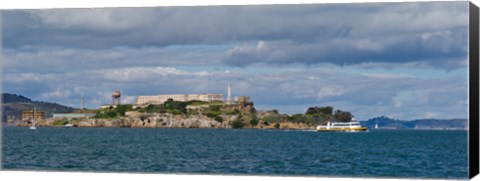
point(160, 120)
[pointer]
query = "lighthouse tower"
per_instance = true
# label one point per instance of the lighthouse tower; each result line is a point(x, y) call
point(229, 94)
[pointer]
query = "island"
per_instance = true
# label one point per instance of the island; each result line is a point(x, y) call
point(18, 110)
point(240, 113)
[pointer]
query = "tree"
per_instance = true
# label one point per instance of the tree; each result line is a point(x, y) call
point(328, 110)
point(297, 118)
point(254, 122)
point(121, 109)
point(175, 106)
point(169, 103)
point(277, 125)
point(214, 107)
point(111, 114)
point(237, 124)
point(342, 116)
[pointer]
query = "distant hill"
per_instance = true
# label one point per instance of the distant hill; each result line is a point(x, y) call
point(389, 123)
point(13, 105)
point(12, 98)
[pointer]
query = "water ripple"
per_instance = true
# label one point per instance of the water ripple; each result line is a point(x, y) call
point(392, 153)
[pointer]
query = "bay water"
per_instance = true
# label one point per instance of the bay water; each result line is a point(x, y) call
point(376, 153)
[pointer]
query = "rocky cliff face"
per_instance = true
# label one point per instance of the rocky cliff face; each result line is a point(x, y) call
point(154, 120)
point(163, 120)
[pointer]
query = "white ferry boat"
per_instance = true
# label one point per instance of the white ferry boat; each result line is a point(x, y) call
point(352, 126)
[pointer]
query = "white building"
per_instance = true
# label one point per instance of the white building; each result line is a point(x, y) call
point(160, 99)
point(70, 116)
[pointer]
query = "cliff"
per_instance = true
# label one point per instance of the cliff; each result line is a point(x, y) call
point(161, 120)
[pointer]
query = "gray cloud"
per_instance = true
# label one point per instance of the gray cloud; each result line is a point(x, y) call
point(339, 34)
point(436, 49)
point(283, 56)
point(387, 94)
point(59, 59)
point(308, 34)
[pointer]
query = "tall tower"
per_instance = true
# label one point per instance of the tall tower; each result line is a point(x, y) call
point(83, 103)
point(229, 93)
point(116, 97)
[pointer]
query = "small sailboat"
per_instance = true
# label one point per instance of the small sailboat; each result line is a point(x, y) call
point(33, 126)
point(376, 126)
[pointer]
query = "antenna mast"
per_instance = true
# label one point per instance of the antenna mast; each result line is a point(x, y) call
point(229, 94)
point(83, 103)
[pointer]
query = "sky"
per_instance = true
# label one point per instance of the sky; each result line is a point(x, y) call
point(401, 60)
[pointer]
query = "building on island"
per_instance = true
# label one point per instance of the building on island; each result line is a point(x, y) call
point(116, 100)
point(116, 95)
point(70, 116)
point(242, 99)
point(160, 99)
point(32, 114)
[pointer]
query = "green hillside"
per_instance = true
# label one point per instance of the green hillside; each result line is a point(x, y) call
point(13, 105)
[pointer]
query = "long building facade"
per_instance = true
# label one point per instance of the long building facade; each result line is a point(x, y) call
point(33, 114)
point(70, 116)
point(160, 99)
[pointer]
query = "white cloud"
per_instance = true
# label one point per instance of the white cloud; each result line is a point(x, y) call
point(330, 92)
point(397, 103)
point(22, 78)
point(99, 19)
point(56, 94)
point(431, 115)
point(387, 76)
point(129, 99)
point(145, 73)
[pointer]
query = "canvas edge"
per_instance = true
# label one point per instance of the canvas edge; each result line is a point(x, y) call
point(473, 131)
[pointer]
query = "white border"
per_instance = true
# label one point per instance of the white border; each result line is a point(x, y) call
point(52, 176)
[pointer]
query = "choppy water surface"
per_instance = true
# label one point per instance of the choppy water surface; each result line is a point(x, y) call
point(387, 153)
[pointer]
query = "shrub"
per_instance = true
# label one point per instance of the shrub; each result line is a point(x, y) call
point(111, 114)
point(213, 114)
point(174, 111)
point(298, 118)
point(60, 122)
point(270, 119)
point(121, 109)
point(277, 125)
point(254, 122)
point(214, 107)
point(219, 119)
point(235, 111)
point(237, 124)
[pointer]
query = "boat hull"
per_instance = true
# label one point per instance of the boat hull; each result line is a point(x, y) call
point(360, 129)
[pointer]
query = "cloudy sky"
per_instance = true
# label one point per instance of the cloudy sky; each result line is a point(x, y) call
point(402, 60)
